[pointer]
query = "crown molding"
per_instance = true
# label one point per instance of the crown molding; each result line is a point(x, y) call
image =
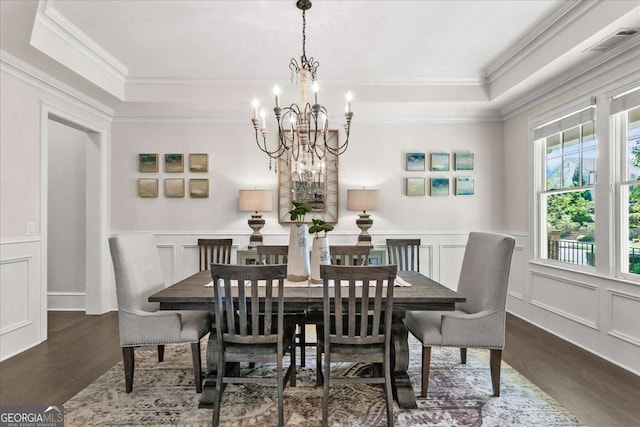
point(567, 14)
point(370, 80)
point(32, 75)
point(179, 117)
point(452, 116)
point(56, 22)
point(594, 67)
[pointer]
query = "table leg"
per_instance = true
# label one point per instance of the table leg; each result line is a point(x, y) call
point(209, 386)
point(401, 383)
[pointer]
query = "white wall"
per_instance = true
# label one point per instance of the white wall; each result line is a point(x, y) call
point(375, 158)
point(67, 186)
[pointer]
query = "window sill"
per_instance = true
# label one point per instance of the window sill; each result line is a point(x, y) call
point(586, 271)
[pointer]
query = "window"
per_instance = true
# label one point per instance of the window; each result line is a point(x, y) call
point(567, 209)
point(627, 126)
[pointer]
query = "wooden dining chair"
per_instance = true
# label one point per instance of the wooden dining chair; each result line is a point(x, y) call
point(357, 325)
point(349, 254)
point(272, 254)
point(278, 254)
point(340, 255)
point(252, 327)
point(405, 253)
point(214, 250)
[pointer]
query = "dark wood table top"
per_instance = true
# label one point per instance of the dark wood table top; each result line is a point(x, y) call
point(423, 294)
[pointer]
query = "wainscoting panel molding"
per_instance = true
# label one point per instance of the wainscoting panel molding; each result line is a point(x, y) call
point(190, 259)
point(426, 257)
point(21, 296)
point(517, 274)
point(450, 256)
point(168, 260)
point(572, 300)
point(625, 316)
point(14, 299)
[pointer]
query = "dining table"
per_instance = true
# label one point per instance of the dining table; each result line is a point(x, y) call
point(418, 293)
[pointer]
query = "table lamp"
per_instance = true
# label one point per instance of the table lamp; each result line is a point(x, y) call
point(256, 200)
point(363, 200)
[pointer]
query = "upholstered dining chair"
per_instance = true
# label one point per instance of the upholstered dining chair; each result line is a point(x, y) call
point(405, 253)
point(138, 274)
point(214, 250)
point(251, 326)
point(358, 308)
point(349, 254)
point(480, 321)
point(272, 254)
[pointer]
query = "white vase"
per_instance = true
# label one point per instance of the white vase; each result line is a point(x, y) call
point(320, 255)
point(298, 263)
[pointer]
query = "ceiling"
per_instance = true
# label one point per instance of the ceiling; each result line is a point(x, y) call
point(213, 57)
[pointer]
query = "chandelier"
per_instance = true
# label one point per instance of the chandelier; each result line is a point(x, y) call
point(303, 129)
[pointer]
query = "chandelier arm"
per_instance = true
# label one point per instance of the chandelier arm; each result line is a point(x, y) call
point(274, 154)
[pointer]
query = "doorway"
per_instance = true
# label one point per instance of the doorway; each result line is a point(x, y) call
point(74, 218)
point(67, 190)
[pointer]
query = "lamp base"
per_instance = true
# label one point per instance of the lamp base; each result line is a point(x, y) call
point(364, 222)
point(256, 222)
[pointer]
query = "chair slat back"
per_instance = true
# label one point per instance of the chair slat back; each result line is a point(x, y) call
point(272, 254)
point(246, 317)
point(358, 308)
point(349, 254)
point(214, 250)
point(405, 253)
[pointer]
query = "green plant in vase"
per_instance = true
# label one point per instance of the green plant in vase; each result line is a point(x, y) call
point(320, 226)
point(300, 209)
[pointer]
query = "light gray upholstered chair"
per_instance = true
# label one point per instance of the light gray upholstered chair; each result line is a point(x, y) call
point(480, 321)
point(139, 274)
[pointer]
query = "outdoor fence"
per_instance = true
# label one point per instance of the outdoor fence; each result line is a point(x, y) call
point(582, 253)
point(571, 251)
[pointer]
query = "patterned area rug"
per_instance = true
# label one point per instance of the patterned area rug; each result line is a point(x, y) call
point(459, 395)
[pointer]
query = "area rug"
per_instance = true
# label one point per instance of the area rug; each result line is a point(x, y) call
point(459, 395)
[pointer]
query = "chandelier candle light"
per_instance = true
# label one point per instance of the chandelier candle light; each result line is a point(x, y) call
point(363, 200)
point(255, 200)
point(302, 129)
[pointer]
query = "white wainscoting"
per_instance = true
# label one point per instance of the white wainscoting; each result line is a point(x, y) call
point(440, 253)
point(624, 309)
point(599, 314)
point(573, 300)
point(20, 296)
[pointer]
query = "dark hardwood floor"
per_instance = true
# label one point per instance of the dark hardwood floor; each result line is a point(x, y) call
point(78, 350)
point(81, 348)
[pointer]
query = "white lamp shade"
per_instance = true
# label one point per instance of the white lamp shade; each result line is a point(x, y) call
point(256, 200)
point(363, 200)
